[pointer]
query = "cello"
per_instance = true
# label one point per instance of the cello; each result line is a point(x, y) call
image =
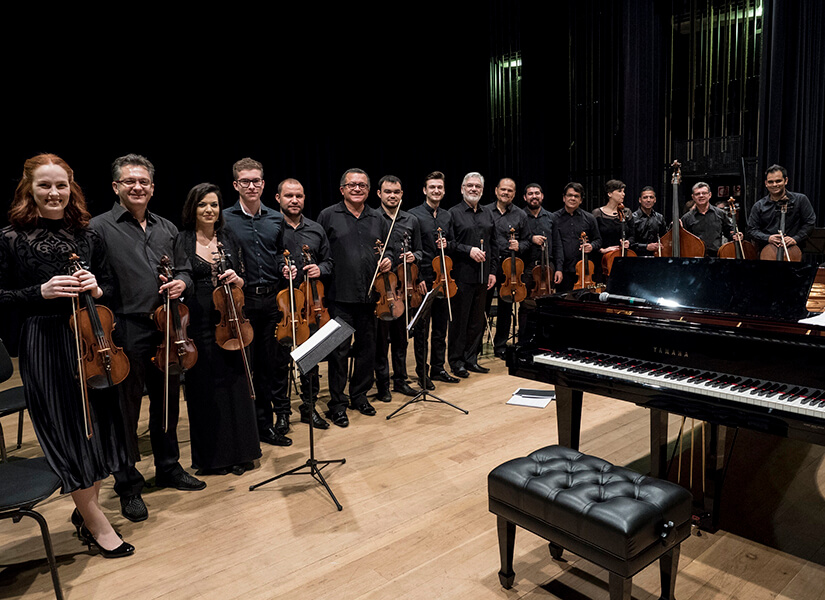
point(513, 288)
point(679, 241)
point(313, 291)
point(783, 252)
point(737, 248)
point(607, 259)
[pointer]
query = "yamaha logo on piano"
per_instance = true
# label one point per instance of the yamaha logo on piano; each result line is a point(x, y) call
point(670, 352)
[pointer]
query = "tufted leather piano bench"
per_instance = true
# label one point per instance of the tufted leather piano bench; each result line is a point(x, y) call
point(611, 516)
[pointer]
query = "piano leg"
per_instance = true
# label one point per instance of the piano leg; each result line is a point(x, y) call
point(569, 416)
point(658, 443)
point(714, 472)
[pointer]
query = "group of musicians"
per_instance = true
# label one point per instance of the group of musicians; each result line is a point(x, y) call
point(236, 397)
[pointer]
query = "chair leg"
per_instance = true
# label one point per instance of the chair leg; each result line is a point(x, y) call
point(506, 545)
point(620, 587)
point(20, 431)
point(668, 566)
point(47, 542)
point(3, 457)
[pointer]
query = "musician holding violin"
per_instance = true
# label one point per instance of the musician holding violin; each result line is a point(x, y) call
point(544, 256)
point(137, 239)
point(83, 441)
point(222, 422)
point(710, 223)
point(572, 221)
point(513, 241)
point(615, 228)
point(352, 229)
point(765, 218)
point(306, 241)
point(436, 240)
point(648, 225)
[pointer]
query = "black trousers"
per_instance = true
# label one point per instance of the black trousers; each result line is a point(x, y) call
point(468, 324)
point(391, 337)
point(140, 338)
point(361, 316)
point(438, 318)
point(270, 360)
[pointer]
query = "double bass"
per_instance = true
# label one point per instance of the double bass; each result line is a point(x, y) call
point(513, 288)
point(608, 258)
point(679, 242)
point(737, 248)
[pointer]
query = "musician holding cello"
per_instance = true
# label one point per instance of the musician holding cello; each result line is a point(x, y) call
point(307, 243)
point(572, 221)
point(137, 239)
point(222, 422)
point(392, 335)
point(764, 219)
point(352, 229)
point(436, 239)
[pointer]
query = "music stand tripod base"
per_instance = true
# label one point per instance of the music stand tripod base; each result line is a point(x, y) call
point(422, 397)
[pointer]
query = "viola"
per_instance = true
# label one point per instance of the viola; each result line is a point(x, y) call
point(783, 252)
point(389, 307)
point(609, 257)
point(737, 248)
point(584, 269)
point(293, 328)
point(542, 274)
point(513, 288)
point(679, 241)
point(407, 274)
point(234, 331)
point(313, 291)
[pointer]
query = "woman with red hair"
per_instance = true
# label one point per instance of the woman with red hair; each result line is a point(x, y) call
point(48, 222)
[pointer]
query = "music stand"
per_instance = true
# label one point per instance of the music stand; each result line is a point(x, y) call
point(423, 311)
point(307, 356)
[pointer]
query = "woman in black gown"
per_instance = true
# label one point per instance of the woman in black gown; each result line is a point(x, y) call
point(49, 221)
point(222, 422)
point(610, 226)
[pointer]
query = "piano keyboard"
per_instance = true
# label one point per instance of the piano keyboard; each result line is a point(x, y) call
point(757, 392)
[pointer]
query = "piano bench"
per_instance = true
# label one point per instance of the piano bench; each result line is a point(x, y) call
point(614, 517)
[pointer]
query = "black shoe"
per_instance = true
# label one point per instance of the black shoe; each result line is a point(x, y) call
point(317, 421)
point(180, 481)
point(339, 417)
point(133, 508)
point(442, 375)
point(270, 436)
point(382, 396)
point(404, 388)
point(425, 383)
point(500, 354)
point(364, 407)
point(125, 549)
point(240, 469)
point(77, 520)
point(282, 424)
point(460, 372)
point(477, 368)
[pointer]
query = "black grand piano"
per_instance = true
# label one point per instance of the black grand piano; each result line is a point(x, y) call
point(713, 339)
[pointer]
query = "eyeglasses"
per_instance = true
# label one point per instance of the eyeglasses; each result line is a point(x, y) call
point(245, 183)
point(129, 183)
point(357, 186)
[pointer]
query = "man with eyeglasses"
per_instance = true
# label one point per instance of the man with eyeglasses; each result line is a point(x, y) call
point(136, 240)
point(711, 224)
point(260, 231)
point(352, 229)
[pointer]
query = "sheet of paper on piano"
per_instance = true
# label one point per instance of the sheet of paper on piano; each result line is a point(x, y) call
point(815, 320)
point(532, 398)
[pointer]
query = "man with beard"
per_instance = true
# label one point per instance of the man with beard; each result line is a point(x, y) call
point(475, 263)
point(648, 225)
point(541, 229)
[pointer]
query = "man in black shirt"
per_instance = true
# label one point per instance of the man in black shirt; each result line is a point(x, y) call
point(711, 224)
point(648, 225)
point(136, 240)
point(352, 228)
point(393, 334)
point(299, 231)
point(475, 263)
point(432, 218)
point(259, 230)
point(764, 220)
point(572, 221)
point(541, 230)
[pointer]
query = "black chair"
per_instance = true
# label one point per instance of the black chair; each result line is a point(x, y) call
point(11, 401)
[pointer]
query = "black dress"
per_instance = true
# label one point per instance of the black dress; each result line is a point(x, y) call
point(222, 422)
point(48, 359)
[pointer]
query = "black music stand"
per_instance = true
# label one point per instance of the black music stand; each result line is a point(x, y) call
point(423, 310)
point(307, 356)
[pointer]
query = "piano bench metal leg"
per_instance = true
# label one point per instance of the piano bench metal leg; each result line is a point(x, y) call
point(620, 587)
point(555, 551)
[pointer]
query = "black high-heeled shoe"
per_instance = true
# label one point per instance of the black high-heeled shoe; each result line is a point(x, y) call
point(125, 549)
point(77, 520)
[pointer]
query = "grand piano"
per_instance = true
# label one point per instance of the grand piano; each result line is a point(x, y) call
point(713, 339)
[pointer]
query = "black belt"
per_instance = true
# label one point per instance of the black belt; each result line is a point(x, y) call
point(260, 290)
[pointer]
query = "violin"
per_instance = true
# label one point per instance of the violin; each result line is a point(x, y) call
point(388, 307)
point(513, 288)
point(100, 364)
point(737, 248)
point(443, 283)
point(609, 257)
point(293, 328)
point(783, 252)
point(313, 291)
point(584, 269)
point(542, 274)
point(407, 274)
point(172, 319)
point(679, 241)
point(234, 331)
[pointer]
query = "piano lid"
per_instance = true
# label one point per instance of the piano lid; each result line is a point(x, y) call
point(755, 288)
